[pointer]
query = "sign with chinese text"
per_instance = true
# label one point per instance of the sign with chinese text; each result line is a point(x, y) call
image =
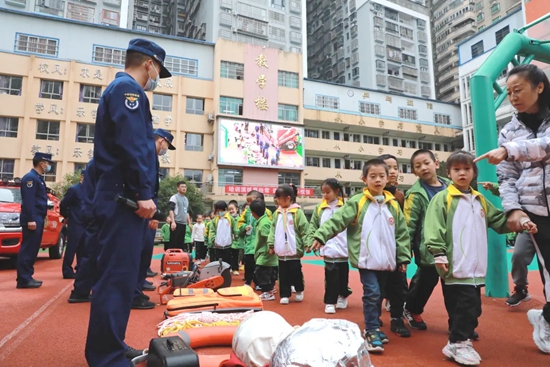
point(267, 190)
point(261, 85)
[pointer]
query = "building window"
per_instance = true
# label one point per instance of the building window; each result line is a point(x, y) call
point(481, 27)
point(231, 106)
point(6, 167)
point(501, 33)
point(277, 34)
point(180, 65)
point(370, 108)
point(480, 16)
point(477, 49)
point(51, 89)
point(408, 113)
point(327, 102)
point(479, 5)
point(440, 118)
point(495, 19)
point(47, 130)
point(50, 176)
point(288, 112)
point(326, 162)
point(162, 102)
point(312, 133)
point(10, 85)
point(8, 127)
point(193, 175)
point(110, 17)
point(325, 134)
point(109, 55)
point(89, 93)
point(78, 167)
point(194, 106)
point(288, 79)
point(230, 176)
point(164, 172)
point(495, 7)
point(423, 145)
point(232, 70)
point(371, 139)
point(80, 12)
point(194, 142)
point(36, 45)
point(85, 133)
point(312, 162)
point(289, 177)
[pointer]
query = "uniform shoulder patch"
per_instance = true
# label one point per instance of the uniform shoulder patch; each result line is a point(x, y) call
point(132, 101)
point(29, 184)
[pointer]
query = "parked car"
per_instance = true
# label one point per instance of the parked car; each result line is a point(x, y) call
point(54, 235)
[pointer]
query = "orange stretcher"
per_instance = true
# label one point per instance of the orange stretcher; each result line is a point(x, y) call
point(224, 300)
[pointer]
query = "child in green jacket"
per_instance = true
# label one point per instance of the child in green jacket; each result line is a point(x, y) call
point(458, 218)
point(266, 261)
point(378, 242)
point(165, 231)
point(238, 242)
point(246, 231)
point(287, 239)
point(424, 165)
point(188, 241)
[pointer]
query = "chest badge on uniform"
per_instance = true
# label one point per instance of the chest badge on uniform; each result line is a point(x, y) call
point(29, 184)
point(482, 213)
point(391, 221)
point(132, 101)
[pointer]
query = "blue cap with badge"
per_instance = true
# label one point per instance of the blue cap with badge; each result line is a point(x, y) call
point(166, 136)
point(43, 157)
point(149, 48)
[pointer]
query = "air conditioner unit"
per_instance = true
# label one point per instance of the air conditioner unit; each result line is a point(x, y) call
point(235, 12)
point(209, 179)
point(233, 29)
point(210, 157)
point(211, 117)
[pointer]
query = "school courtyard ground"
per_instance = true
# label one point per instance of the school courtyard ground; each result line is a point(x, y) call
point(38, 328)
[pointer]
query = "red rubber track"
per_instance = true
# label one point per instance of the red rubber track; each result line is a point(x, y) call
point(39, 328)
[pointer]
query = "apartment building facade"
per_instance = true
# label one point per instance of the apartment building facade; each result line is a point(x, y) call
point(106, 12)
point(378, 44)
point(453, 21)
point(472, 53)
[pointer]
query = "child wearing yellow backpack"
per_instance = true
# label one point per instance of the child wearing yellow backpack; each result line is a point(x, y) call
point(335, 251)
point(287, 239)
point(378, 242)
point(222, 232)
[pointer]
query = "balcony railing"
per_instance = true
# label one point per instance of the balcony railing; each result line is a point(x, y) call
point(395, 83)
point(410, 71)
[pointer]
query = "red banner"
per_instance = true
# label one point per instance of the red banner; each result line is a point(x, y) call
point(267, 190)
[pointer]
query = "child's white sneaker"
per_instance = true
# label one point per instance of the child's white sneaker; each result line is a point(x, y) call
point(267, 296)
point(235, 272)
point(292, 289)
point(541, 333)
point(330, 309)
point(299, 296)
point(462, 353)
point(387, 306)
point(342, 302)
point(284, 301)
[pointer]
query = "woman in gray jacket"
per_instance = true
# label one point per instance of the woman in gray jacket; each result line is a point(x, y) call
point(524, 174)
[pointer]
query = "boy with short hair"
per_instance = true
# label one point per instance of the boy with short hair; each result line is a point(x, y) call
point(424, 165)
point(266, 261)
point(456, 236)
point(375, 215)
point(198, 239)
point(246, 230)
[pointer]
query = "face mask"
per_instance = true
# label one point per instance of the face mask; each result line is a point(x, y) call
point(48, 168)
point(151, 84)
point(222, 214)
point(163, 151)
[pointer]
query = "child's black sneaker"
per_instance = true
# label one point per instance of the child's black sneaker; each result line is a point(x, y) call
point(398, 327)
point(520, 295)
point(415, 321)
point(374, 344)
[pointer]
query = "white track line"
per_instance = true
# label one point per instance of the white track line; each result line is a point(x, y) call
point(38, 312)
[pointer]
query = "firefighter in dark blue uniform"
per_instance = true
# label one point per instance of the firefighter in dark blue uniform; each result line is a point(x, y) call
point(163, 143)
point(125, 163)
point(71, 210)
point(34, 207)
point(86, 273)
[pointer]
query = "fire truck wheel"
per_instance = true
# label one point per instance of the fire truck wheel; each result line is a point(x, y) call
point(56, 252)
